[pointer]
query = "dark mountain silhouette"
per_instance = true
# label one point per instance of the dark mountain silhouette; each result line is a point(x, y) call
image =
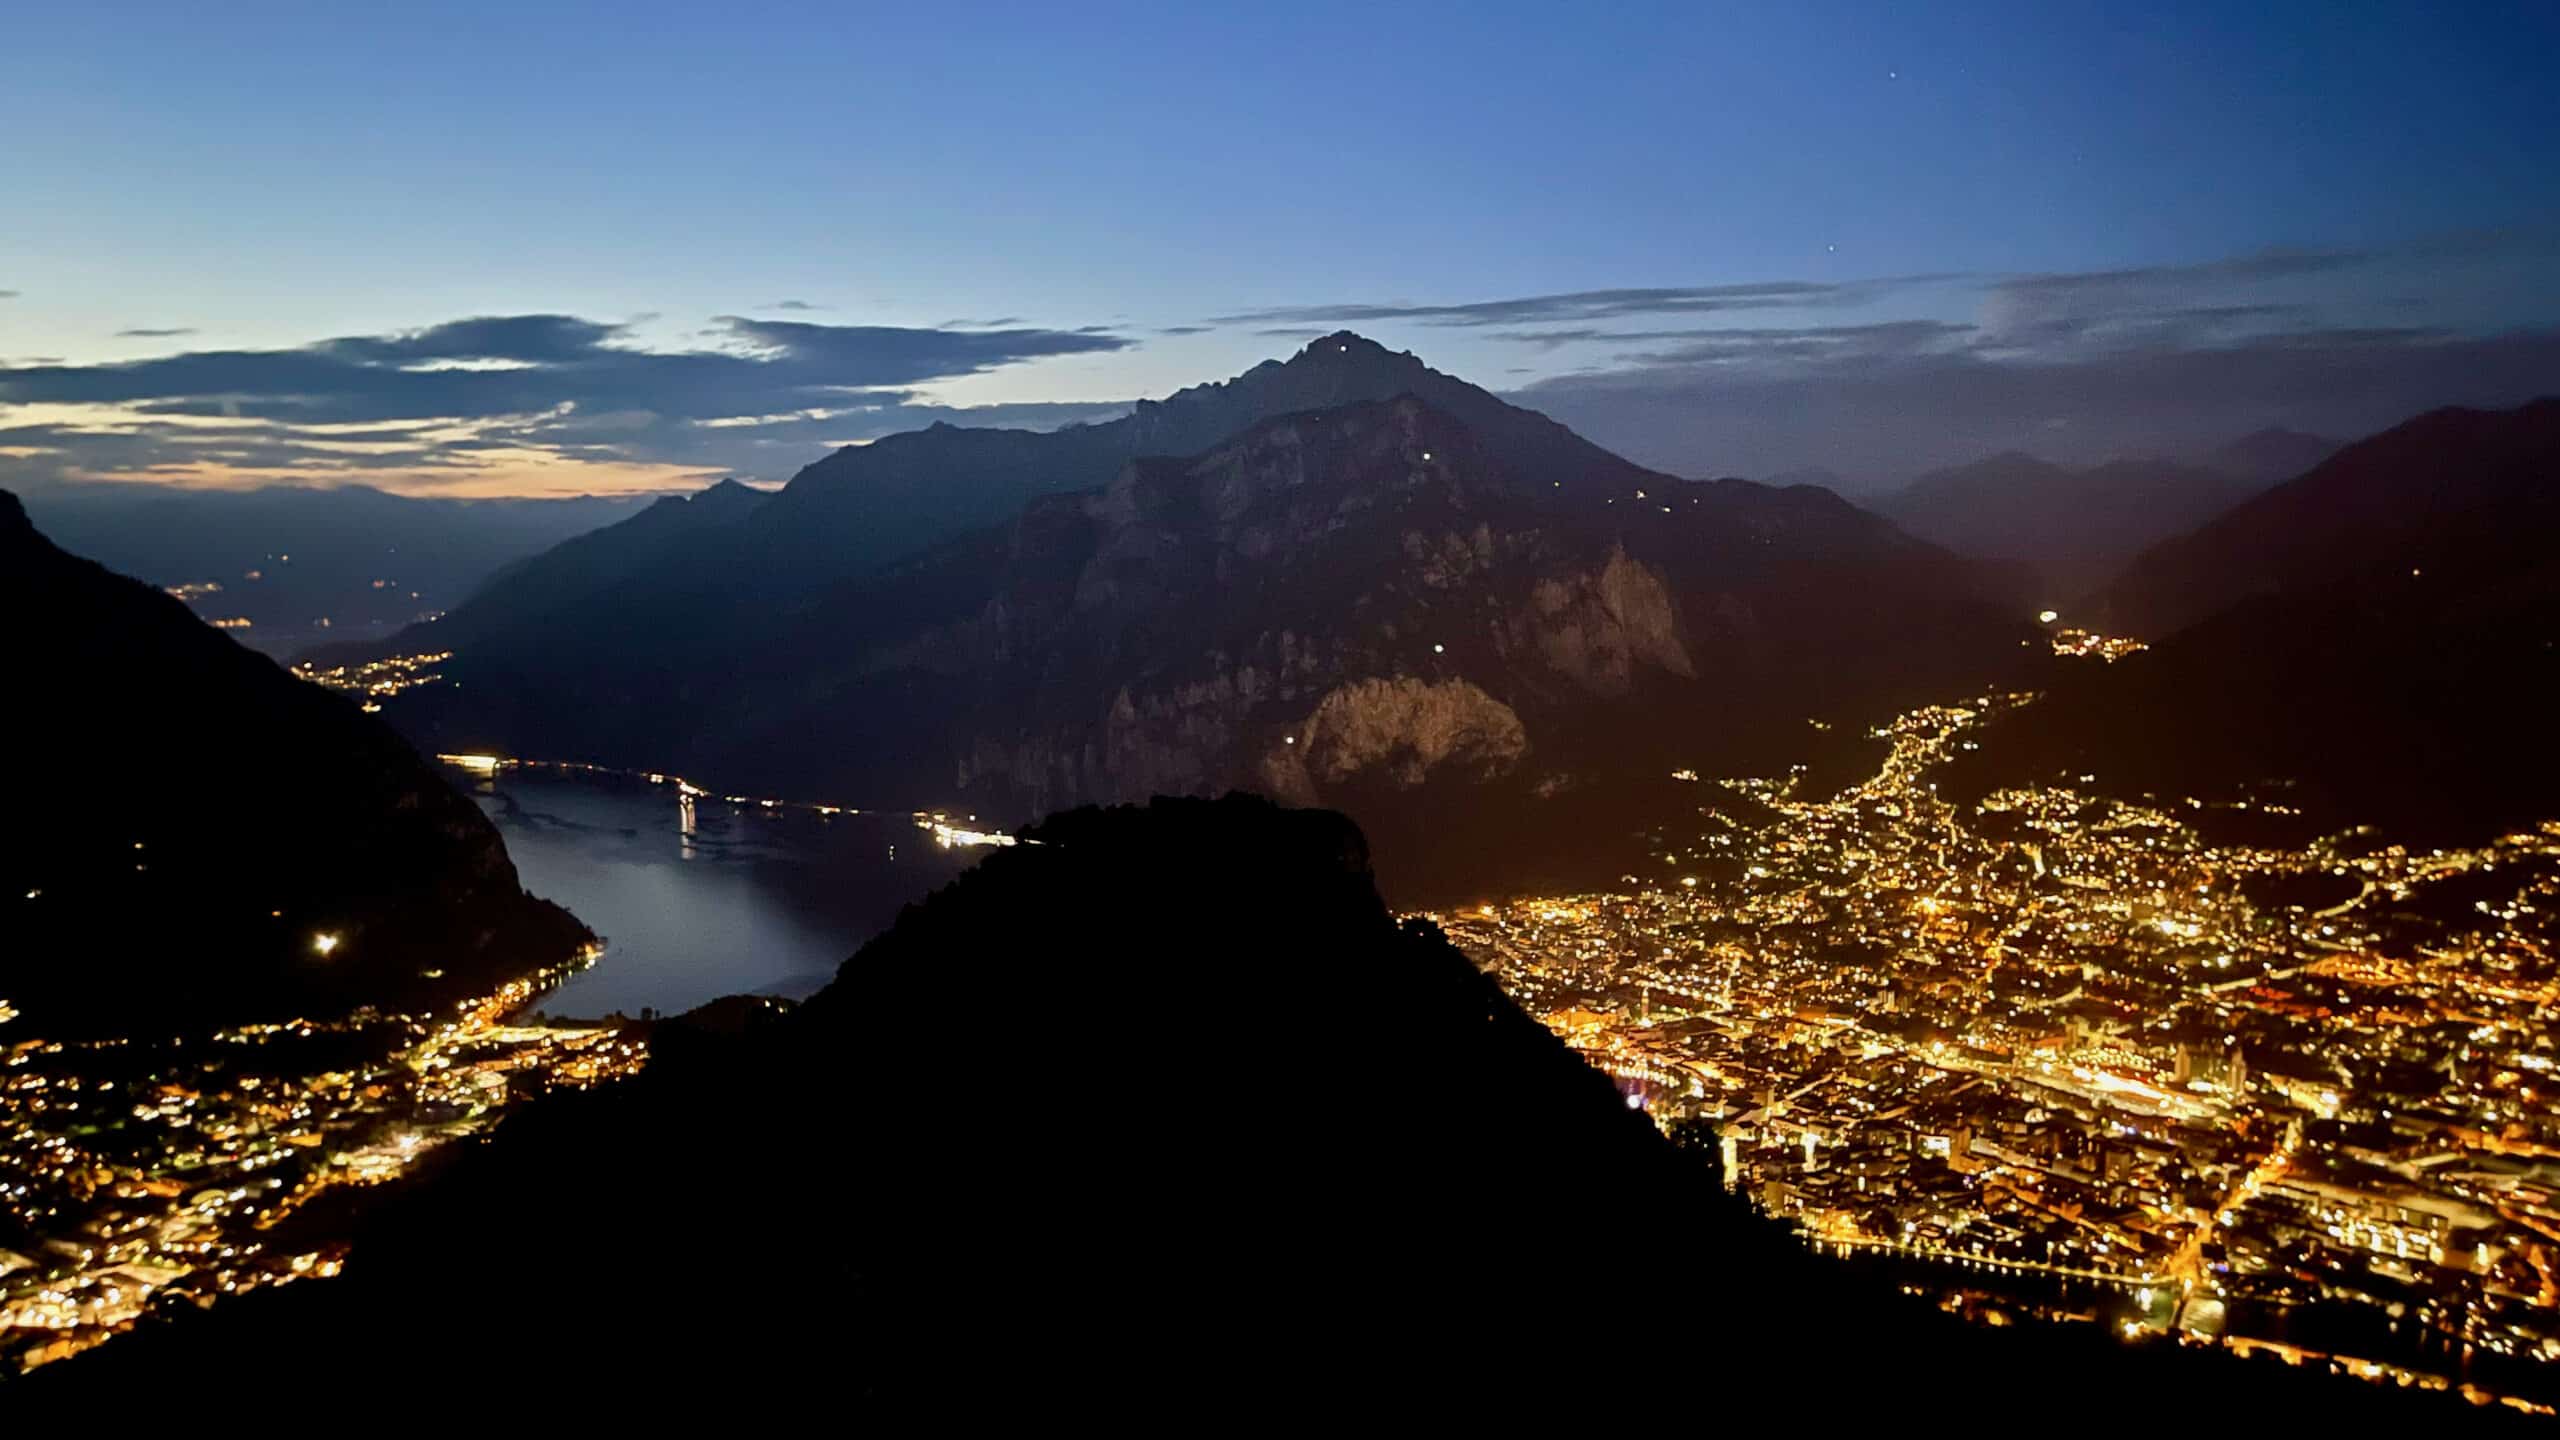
point(2382, 633)
point(1424, 611)
point(1161, 1118)
point(1830, 480)
point(317, 552)
point(2266, 457)
point(192, 818)
point(2444, 485)
point(904, 492)
point(866, 505)
point(582, 584)
point(1372, 606)
point(2073, 529)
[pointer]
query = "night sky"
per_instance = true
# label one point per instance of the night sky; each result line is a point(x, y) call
point(468, 250)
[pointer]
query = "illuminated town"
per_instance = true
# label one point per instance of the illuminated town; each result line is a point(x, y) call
point(2051, 1039)
point(2074, 643)
point(374, 681)
point(170, 1174)
point(2060, 1040)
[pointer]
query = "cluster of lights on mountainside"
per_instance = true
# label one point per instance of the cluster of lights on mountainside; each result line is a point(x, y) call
point(374, 681)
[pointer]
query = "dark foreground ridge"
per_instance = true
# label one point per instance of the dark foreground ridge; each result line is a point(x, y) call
point(1162, 1118)
point(202, 838)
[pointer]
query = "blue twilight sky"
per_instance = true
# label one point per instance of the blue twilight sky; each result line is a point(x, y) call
point(1725, 239)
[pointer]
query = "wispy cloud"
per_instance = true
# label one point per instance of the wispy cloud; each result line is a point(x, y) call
point(528, 365)
point(793, 305)
point(1885, 406)
point(2074, 365)
point(1876, 378)
point(142, 333)
point(766, 396)
point(1576, 306)
point(1702, 344)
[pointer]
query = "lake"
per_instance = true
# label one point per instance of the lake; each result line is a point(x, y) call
point(700, 898)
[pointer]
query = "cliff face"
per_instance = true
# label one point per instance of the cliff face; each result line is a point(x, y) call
point(197, 820)
point(1407, 728)
point(1327, 597)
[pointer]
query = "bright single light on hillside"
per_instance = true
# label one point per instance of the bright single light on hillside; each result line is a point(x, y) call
point(2047, 617)
point(323, 944)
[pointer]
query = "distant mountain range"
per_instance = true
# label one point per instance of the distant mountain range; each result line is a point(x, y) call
point(200, 837)
point(2375, 640)
point(287, 559)
point(2266, 457)
point(1157, 1118)
point(2073, 529)
point(1411, 599)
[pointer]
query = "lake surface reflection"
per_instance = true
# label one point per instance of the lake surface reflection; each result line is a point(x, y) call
point(699, 898)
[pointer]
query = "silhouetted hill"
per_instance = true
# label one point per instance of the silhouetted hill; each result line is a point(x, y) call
point(1463, 638)
point(2438, 488)
point(2381, 635)
point(316, 553)
point(587, 585)
point(2074, 529)
point(189, 818)
point(1162, 1118)
point(2267, 457)
point(1831, 480)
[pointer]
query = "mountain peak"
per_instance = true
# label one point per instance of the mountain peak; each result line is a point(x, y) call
point(719, 492)
point(2267, 456)
point(1351, 342)
point(725, 496)
point(13, 517)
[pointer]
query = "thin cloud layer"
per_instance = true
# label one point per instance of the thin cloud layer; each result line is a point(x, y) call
point(1875, 379)
point(457, 394)
point(1575, 306)
point(1885, 407)
point(2078, 367)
